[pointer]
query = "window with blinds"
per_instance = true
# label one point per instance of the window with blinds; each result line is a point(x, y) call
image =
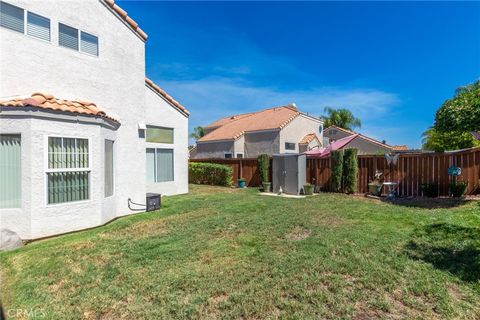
point(38, 26)
point(10, 171)
point(159, 134)
point(68, 170)
point(67, 36)
point(11, 17)
point(88, 43)
point(108, 168)
point(159, 165)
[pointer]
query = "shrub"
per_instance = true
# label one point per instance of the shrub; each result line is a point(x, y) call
point(458, 189)
point(263, 161)
point(430, 189)
point(350, 169)
point(210, 173)
point(337, 170)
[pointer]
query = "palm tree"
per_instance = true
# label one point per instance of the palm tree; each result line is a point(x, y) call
point(342, 118)
point(197, 133)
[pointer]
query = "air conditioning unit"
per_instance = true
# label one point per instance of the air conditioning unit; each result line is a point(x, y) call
point(154, 201)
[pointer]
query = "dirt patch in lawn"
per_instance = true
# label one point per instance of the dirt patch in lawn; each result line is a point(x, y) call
point(298, 233)
point(139, 230)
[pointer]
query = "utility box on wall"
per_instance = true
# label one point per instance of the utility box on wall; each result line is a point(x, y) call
point(153, 201)
point(289, 171)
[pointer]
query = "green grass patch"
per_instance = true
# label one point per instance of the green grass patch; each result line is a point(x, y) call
point(226, 253)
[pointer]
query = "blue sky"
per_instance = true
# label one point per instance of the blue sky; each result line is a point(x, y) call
point(391, 63)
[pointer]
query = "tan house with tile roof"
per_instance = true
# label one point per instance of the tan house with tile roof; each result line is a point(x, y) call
point(271, 131)
point(84, 136)
point(364, 144)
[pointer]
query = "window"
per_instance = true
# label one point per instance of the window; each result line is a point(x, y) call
point(38, 26)
point(239, 155)
point(159, 134)
point(289, 146)
point(108, 168)
point(10, 171)
point(320, 129)
point(68, 170)
point(159, 165)
point(11, 17)
point(228, 155)
point(67, 36)
point(88, 43)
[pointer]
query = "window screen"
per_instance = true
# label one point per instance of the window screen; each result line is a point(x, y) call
point(159, 134)
point(108, 168)
point(10, 171)
point(11, 17)
point(67, 36)
point(68, 170)
point(88, 43)
point(289, 146)
point(159, 165)
point(38, 26)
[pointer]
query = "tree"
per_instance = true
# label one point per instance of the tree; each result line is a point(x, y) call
point(197, 133)
point(455, 120)
point(342, 118)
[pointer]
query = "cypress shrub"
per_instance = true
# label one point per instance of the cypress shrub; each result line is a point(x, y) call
point(337, 170)
point(350, 169)
point(210, 173)
point(263, 161)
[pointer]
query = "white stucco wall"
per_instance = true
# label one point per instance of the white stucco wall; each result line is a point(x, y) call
point(161, 113)
point(114, 80)
point(298, 128)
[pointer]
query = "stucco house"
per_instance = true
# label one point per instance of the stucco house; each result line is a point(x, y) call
point(82, 131)
point(271, 131)
point(349, 139)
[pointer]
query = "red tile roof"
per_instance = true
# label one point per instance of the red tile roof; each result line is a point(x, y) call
point(308, 138)
point(233, 127)
point(167, 97)
point(360, 136)
point(48, 101)
point(400, 148)
point(123, 14)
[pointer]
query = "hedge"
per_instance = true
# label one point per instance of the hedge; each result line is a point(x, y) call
point(263, 161)
point(337, 170)
point(210, 173)
point(350, 170)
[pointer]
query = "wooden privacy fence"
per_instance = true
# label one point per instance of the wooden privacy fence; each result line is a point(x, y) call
point(411, 171)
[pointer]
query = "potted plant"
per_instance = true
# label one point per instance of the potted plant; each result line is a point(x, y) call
point(263, 161)
point(458, 189)
point(241, 183)
point(308, 189)
point(375, 186)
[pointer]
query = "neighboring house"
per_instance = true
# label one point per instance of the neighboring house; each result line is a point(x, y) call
point(270, 131)
point(476, 135)
point(364, 144)
point(72, 158)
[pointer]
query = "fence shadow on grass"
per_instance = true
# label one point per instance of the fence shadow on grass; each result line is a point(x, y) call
point(448, 247)
point(430, 203)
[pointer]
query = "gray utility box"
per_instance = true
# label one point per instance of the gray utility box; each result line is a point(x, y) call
point(289, 171)
point(154, 201)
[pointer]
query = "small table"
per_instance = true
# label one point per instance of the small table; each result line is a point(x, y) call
point(392, 189)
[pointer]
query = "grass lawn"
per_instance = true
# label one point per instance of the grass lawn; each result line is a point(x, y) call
point(224, 253)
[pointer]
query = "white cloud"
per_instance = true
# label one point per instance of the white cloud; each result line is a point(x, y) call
point(211, 98)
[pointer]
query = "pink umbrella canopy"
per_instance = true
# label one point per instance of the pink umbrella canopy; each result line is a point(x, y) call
point(335, 145)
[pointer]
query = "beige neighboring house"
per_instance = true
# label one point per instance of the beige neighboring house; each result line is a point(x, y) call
point(271, 131)
point(364, 144)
